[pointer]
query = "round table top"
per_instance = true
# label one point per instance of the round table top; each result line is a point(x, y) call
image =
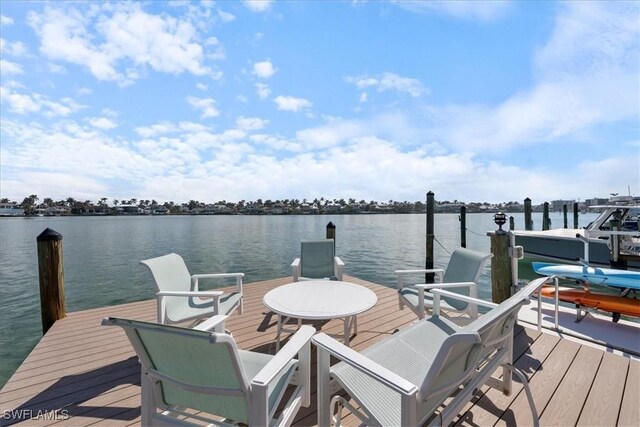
point(319, 299)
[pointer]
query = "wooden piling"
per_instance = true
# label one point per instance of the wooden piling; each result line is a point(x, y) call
point(528, 223)
point(546, 222)
point(331, 233)
point(575, 215)
point(51, 274)
point(500, 266)
point(564, 215)
point(512, 223)
point(430, 277)
point(463, 226)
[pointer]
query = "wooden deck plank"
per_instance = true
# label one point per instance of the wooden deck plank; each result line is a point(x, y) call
point(603, 403)
point(542, 385)
point(630, 409)
point(492, 405)
point(92, 372)
point(574, 388)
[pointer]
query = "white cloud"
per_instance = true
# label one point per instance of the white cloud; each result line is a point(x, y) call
point(217, 47)
point(125, 36)
point(263, 90)
point(483, 11)
point(102, 123)
point(258, 5)
point(364, 97)
point(289, 103)
point(6, 20)
point(251, 123)
point(205, 105)
point(9, 68)
point(264, 69)
point(85, 91)
point(225, 16)
point(390, 81)
point(13, 48)
point(21, 103)
point(586, 75)
point(201, 86)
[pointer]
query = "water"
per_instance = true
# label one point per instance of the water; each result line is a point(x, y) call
point(101, 256)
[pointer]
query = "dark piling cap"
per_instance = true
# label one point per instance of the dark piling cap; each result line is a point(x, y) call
point(49, 235)
point(330, 225)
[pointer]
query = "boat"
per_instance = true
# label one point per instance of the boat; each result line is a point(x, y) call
point(615, 304)
point(589, 245)
point(620, 279)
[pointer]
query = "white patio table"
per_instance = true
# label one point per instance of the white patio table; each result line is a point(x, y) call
point(319, 300)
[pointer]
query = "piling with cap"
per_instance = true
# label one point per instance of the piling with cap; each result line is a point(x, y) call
point(51, 275)
point(501, 275)
point(528, 222)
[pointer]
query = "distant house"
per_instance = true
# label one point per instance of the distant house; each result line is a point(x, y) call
point(98, 210)
point(128, 210)
point(11, 209)
point(332, 208)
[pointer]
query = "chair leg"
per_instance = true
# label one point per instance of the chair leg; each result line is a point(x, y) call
point(527, 390)
point(324, 389)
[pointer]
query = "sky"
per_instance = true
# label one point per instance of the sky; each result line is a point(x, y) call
point(374, 100)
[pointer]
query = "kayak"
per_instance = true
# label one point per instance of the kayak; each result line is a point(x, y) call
point(605, 302)
point(622, 279)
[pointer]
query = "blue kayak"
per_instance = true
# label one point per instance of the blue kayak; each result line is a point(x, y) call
point(622, 279)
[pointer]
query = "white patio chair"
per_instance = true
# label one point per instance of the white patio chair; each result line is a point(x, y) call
point(317, 261)
point(193, 375)
point(405, 379)
point(178, 297)
point(461, 276)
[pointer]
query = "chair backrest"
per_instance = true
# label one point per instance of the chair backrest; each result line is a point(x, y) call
point(465, 265)
point(496, 325)
point(169, 272)
point(190, 368)
point(317, 258)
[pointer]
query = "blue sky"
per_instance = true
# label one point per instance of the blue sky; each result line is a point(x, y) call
point(174, 101)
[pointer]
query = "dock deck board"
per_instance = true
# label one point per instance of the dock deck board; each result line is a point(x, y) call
point(91, 373)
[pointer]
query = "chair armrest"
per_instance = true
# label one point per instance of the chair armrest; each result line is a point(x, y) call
point(301, 338)
point(399, 273)
point(216, 275)
point(206, 294)
point(364, 364)
point(421, 270)
point(338, 261)
point(437, 293)
point(428, 286)
point(215, 322)
point(295, 265)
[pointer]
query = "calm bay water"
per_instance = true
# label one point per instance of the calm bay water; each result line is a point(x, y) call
point(101, 256)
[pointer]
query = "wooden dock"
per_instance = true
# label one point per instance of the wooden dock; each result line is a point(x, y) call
point(82, 374)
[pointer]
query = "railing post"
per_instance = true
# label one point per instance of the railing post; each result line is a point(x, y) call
point(463, 226)
point(528, 223)
point(501, 262)
point(430, 277)
point(51, 274)
point(546, 222)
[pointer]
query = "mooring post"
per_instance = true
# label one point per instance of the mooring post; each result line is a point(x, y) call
point(463, 226)
point(575, 215)
point(331, 234)
point(565, 215)
point(51, 273)
point(430, 277)
point(501, 262)
point(512, 223)
point(528, 223)
point(546, 222)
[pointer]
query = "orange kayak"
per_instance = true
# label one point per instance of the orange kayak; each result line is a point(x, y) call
point(600, 301)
